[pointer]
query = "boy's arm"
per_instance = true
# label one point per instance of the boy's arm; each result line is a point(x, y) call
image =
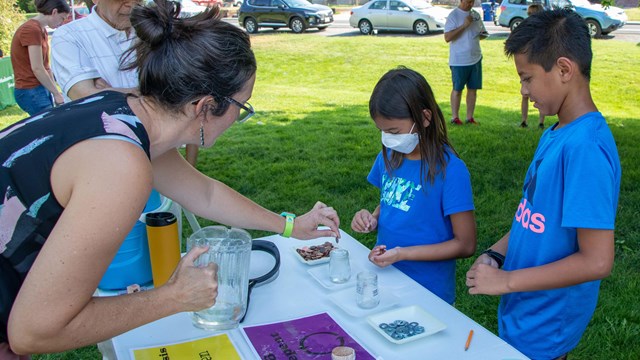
point(500, 247)
point(592, 261)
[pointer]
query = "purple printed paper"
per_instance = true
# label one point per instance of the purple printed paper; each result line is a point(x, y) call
point(311, 337)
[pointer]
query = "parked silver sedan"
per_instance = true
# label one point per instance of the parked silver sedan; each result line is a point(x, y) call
point(418, 16)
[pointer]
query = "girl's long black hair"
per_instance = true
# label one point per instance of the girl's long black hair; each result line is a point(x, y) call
point(403, 93)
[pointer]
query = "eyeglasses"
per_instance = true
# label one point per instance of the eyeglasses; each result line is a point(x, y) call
point(246, 110)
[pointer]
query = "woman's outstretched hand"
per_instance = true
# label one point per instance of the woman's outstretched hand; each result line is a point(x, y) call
point(306, 226)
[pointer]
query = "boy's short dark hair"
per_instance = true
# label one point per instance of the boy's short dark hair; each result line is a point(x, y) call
point(534, 9)
point(548, 35)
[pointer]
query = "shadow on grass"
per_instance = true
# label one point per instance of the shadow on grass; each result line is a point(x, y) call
point(285, 30)
point(498, 36)
point(389, 33)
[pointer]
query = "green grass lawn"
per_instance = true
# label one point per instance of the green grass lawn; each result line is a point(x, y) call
point(312, 139)
point(633, 13)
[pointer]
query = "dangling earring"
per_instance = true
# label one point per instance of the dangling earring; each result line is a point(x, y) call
point(201, 134)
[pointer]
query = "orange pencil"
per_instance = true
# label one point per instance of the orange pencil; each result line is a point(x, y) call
point(466, 346)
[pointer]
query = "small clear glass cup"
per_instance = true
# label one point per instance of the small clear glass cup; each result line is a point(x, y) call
point(367, 295)
point(339, 266)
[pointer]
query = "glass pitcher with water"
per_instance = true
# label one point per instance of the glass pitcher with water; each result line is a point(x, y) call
point(230, 249)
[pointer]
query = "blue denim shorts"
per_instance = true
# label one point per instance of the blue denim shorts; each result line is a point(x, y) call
point(34, 100)
point(470, 75)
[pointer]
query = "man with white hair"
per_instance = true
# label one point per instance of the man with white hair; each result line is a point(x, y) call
point(86, 54)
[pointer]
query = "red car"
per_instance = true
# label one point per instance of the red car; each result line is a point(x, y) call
point(79, 11)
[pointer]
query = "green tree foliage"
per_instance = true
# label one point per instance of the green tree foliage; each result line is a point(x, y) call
point(25, 5)
point(10, 18)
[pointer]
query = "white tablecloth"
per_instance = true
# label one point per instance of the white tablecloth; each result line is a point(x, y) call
point(295, 293)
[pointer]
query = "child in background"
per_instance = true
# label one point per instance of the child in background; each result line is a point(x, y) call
point(561, 241)
point(425, 217)
point(532, 9)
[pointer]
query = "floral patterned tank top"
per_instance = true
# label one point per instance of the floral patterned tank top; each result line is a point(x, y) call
point(28, 150)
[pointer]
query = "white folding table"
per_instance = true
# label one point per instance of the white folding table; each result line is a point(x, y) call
point(295, 293)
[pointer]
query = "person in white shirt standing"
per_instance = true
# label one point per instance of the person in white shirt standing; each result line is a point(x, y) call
point(463, 31)
point(86, 54)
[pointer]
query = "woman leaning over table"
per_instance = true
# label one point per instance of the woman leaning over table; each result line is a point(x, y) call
point(74, 189)
point(34, 82)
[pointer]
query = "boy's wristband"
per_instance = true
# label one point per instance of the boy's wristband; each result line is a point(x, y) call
point(499, 258)
point(288, 225)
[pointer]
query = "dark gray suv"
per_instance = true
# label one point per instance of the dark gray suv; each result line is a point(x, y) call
point(298, 15)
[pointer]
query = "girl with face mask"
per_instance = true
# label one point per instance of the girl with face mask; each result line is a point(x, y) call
point(425, 216)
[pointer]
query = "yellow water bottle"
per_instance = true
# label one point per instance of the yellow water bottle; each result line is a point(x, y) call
point(164, 245)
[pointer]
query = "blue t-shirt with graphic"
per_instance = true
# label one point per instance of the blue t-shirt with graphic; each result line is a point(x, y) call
point(415, 212)
point(573, 182)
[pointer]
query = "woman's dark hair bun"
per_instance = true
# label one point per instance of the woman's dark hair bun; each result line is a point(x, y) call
point(154, 24)
point(179, 60)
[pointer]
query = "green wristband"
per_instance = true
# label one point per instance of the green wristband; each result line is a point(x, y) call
point(288, 225)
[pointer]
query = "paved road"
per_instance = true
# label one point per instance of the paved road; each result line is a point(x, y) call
point(340, 27)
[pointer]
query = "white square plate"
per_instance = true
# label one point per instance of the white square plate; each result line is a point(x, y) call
point(410, 313)
point(311, 262)
point(321, 274)
point(346, 300)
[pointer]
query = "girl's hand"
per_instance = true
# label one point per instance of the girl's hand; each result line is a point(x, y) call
point(382, 257)
point(306, 226)
point(487, 279)
point(195, 288)
point(377, 250)
point(364, 222)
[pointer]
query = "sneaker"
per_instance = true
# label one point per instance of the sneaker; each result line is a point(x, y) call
point(523, 125)
point(456, 121)
point(541, 126)
point(472, 121)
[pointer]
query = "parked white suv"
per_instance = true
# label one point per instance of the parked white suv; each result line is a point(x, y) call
point(600, 21)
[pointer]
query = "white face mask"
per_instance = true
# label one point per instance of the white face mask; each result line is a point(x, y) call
point(403, 143)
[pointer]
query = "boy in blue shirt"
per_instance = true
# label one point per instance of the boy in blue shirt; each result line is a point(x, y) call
point(561, 241)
